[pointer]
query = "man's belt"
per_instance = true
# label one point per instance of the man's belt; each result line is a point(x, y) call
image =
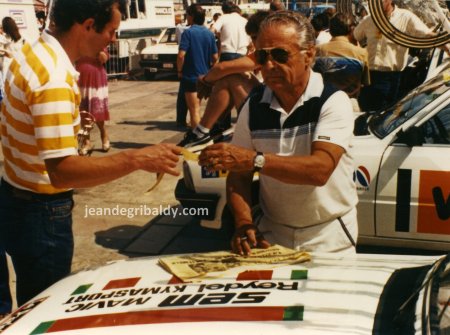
point(28, 195)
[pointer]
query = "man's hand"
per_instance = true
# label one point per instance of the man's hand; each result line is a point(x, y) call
point(225, 156)
point(247, 237)
point(160, 158)
point(204, 88)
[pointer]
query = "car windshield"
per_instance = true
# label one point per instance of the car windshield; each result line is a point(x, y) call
point(440, 298)
point(434, 287)
point(387, 121)
point(169, 36)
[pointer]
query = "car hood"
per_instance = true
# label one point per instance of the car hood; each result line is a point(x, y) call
point(329, 294)
point(160, 49)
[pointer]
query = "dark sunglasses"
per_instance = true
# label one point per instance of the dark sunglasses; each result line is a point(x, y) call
point(279, 55)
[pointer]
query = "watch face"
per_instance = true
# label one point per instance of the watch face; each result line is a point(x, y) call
point(259, 161)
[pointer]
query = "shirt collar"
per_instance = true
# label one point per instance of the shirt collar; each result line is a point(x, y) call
point(394, 12)
point(59, 50)
point(313, 89)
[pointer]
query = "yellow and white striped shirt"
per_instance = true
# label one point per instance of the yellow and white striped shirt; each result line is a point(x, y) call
point(39, 116)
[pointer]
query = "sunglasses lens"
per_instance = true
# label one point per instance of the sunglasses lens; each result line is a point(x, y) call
point(261, 56)
point(279, 55)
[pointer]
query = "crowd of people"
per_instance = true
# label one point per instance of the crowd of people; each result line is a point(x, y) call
point(295, 82)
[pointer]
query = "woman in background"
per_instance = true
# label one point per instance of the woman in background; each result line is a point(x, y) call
point(15, 41)
point(93, 83)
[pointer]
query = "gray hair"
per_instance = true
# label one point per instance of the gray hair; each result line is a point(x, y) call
point(305, 32)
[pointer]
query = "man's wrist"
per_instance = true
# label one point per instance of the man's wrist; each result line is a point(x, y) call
point(244, 225)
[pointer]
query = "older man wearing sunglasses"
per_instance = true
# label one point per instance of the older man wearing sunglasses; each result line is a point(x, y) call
point(295, 132)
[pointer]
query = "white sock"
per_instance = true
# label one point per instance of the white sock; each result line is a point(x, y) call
point(200, 130)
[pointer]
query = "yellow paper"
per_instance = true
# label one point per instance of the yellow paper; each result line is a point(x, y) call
point(188, 155)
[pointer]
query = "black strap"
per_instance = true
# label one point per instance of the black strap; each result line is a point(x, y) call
point(352, 241)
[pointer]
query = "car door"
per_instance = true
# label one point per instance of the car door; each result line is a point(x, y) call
point(413, 189)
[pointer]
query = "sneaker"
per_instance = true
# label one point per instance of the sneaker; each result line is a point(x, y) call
point(191, 139)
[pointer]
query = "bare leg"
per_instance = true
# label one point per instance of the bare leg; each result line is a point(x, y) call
point(230, 90)
point(193, 104)
point(227, 92)
point(103, 135)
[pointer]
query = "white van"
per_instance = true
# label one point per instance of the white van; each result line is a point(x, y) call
point(161, 56)
point(145, 19)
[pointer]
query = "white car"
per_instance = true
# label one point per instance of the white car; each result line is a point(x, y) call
point(402, 172)
point(330, 294)
point(161, 56)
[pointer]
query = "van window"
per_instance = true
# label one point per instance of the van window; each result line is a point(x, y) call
point(136, 9)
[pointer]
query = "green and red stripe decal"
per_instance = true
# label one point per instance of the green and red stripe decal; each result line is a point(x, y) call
point(228, 314)
point(217, 314)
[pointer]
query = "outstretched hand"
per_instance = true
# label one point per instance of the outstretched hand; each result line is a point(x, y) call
point(159, 158)
point(204, 88)
point(225, 156)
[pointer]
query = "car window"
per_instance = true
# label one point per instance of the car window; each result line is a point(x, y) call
point(437, 129)
point(393, 117)
point(169, 36)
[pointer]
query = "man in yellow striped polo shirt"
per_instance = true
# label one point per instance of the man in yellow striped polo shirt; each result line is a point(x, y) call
point(39, 121)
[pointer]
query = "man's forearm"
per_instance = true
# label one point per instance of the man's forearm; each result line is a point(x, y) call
point(81, 172)
point(239, 197)
point(224, 69)
point(180, 62)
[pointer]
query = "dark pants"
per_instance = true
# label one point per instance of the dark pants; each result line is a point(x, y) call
point(226, 56)
point(382, 92)
point(36, 230)
point(5, 293)
point(181, 107)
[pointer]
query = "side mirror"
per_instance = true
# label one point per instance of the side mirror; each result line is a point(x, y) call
point(412, 137)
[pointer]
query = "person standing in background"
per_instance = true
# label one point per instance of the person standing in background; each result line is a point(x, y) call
point(320, 23)
point(340, 61)
point(387, 60)
point(216, 16)
point(227, 83)
point(197, 53)
point(40, 17)
point(276, 5)
point(14, 38)
point(3, 53)
point(93, 83)
point(182, 109)
point(230, 30)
